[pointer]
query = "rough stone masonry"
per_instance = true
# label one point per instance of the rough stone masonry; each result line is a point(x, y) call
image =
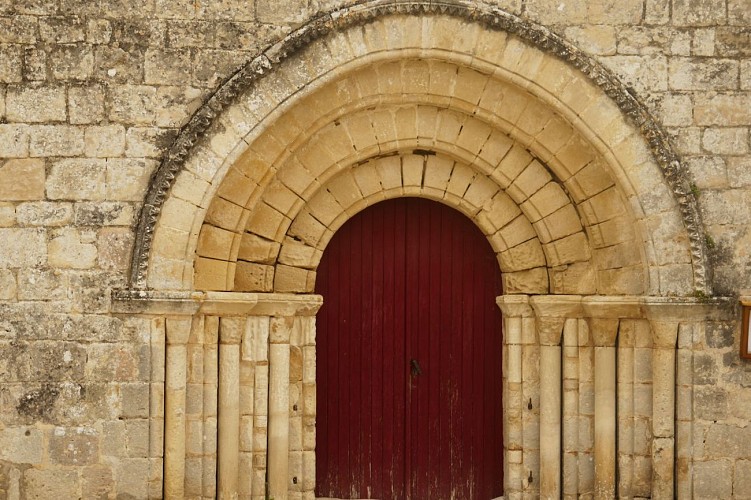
point(93, 96)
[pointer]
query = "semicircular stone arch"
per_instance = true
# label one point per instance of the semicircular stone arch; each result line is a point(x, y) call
point(479, 120)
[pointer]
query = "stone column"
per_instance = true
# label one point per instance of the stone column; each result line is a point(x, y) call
point(665, 317)
point(604, 334)
point(517, 315)
point(279, 356)
point(177, 333)
point(551, 312)
point(228, 461)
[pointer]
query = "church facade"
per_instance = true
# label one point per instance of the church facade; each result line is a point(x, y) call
point(243, 244)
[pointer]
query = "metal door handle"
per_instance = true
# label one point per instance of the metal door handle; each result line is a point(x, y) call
point(415, 367)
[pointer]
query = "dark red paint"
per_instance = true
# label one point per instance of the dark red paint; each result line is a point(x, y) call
point(409, 279)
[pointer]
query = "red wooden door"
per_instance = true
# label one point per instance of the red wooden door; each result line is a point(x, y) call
point(409, 358)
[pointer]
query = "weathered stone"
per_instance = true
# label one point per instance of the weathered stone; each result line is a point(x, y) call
point(14, 141)
point(711, 403)
point(703, 74)
point(135, 400)
point(133, 104)
point(42, 284)
point(128, 179)
point(103, 214)
point(120, 63)
point(74, 446)
point(22, 247)
point(71, 62)
point(86, 104)
point(213, 66)
point(34, 64)
point(18, 29)
point(732, 141)
point(97, 481)
point(51, 483)
point(114, 248)
point(69, 248)
point(698, 12)
point(61, 29)
point(11, 57)
point(21, 445)
point(36, 104)
point(733, 42)
point(55, 140)
point(105, 141)
point(44, 213)
point(7, 285)
point(77, 179)
point(175, 105)
point(22, 180)
point(167, 67)
point(148, 142)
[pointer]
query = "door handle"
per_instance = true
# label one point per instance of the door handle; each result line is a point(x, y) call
point(415, 367)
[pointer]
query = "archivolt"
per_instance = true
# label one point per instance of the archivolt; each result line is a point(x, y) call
point(488, 34)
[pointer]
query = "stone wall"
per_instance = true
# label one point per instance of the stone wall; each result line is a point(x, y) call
point(93, 93)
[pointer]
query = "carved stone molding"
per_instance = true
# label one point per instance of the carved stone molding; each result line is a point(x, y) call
point(491, 18)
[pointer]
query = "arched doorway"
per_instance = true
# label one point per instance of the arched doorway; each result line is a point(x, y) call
point(409, 357)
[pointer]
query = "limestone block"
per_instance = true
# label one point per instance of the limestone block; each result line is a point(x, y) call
point(147, 142)
point(251, 277)
point(22, 247)
point(104, 141)
point(96, 481)
point(529, 181)
point(215, 242)
point(51, 483)
point(11, 63)
point(74, 446)
point(130, 475)
point(85, 104)
point(531, 281)
point(713, 479)
point(213, 66)
point(56, 140)
point(14, 141)
point(21, 445)
point(68, 248)
point(132, 104)
point(35, 64)
point(36, 104)
point(77, 179)
point(43, 213)
point(698, 12)
point(703, 74)
point(254, 248)
point(22, 180)
point(526, 255)
point(114, 248)
point(60, 29)
point(42, 284)
point(729, 141)
point(71, 61)
point(294, 253)
point(282, 198)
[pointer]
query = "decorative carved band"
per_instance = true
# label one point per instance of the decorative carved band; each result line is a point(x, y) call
point(490, 17)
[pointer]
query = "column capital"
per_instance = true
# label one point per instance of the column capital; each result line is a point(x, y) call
point(514, 306)
point(231, 329)
point(177, 330)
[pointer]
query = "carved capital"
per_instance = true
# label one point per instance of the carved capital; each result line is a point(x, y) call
point(515, 306)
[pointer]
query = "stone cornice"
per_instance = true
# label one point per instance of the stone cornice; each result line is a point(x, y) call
point(179, 303)
point(490, 17)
